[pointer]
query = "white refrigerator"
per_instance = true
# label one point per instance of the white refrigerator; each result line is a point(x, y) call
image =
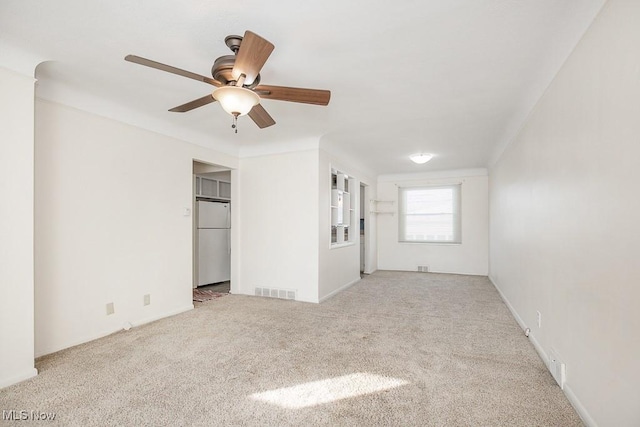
point(214, 242)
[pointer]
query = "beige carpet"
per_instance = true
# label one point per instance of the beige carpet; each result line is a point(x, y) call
point(401, 349)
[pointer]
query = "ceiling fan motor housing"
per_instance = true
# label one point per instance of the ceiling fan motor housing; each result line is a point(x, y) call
point(233, 42)
point(222, 68)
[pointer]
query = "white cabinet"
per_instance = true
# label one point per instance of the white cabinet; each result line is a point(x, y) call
point(342, 213)
point(213, 188)
point(346, 210)
point(224, 190)
point(337, 207)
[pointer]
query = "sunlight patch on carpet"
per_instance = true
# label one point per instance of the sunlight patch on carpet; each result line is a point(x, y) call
point(329, 390)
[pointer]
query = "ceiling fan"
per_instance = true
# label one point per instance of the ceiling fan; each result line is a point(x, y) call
point(237, 81)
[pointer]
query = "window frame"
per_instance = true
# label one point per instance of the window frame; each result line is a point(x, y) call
point(456, 213)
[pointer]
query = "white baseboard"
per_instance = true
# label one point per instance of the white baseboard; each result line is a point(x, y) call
point(163, 315)
point(76, 342)
point(573, 399)
point(508, 304)
point(110, 331)
point(577, 405)
point(337, 291)
point(30, 373)
point(482, 274)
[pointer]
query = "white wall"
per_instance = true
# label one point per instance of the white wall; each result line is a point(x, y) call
point(278, 222)
point(16, 227)
point(469, 257)
point(339, 267)
point(109, 224)
point(564, 220)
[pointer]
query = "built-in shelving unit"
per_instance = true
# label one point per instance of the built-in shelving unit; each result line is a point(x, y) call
point(213, 188)
point(342, 212)
point(382, 206)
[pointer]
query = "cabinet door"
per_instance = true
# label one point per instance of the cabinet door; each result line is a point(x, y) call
point(208, 187)
point(224, 189)
point(198, 186)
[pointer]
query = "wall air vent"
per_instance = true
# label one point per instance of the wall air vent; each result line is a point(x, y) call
point(276, 293)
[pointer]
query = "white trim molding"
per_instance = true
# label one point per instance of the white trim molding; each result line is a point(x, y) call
point(571, 396)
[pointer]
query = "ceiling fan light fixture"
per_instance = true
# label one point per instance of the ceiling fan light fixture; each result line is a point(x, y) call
point(420, 158)
point(236, 100)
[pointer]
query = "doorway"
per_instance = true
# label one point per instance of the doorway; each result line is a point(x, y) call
point(211, 232)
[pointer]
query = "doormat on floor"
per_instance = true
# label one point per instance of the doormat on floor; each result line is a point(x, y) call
point(202, 295)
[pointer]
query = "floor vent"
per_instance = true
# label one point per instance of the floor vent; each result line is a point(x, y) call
point(423, 268)
point(275, 293)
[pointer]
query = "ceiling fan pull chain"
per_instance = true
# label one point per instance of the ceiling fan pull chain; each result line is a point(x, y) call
point(235, 123)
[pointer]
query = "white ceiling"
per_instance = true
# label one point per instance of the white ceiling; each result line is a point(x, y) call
point(456, 78)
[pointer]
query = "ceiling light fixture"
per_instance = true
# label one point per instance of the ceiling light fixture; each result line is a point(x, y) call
point(236, 101)
point(420, 158)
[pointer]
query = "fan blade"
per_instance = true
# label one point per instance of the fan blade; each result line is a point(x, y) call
point(253, 53)
point(260, 116)
point(192, 105)
point(169, 69)
point(294, 94)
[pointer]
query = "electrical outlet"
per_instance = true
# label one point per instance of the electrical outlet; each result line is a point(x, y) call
point(147, 299)
point(539, 319)
point(110, 308)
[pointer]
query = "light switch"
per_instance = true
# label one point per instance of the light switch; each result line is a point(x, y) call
point(186, 212)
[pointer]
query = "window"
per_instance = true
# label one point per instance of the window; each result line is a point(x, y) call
point(430, 214)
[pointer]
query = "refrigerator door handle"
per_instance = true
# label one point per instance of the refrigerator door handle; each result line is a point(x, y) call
point(229, 242)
